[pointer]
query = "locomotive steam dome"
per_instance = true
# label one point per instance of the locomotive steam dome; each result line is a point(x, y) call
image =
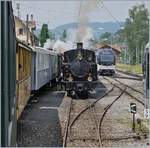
point(80, 68)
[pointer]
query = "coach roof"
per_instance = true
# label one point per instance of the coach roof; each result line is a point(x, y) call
point(44, 50)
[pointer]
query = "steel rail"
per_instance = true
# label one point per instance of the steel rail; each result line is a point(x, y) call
point(128, 86)
point(104, 113)
point(91, 109)
point(130, 78)
point(133, 97)
point(91, 105)
point(67, 126)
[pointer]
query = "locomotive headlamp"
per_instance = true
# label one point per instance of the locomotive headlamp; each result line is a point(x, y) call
point(79, 56)
point(90, 78)
point(70, 78)
point(90, 58)
point(66, 66)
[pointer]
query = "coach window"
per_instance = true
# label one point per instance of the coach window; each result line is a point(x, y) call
point(46, 63)
point(42, 61)
point(39, 61)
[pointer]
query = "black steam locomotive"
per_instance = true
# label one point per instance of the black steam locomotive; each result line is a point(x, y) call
point(79, 71)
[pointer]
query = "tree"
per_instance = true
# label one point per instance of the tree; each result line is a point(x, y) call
point(64, 35)
point(136, 32)
point(54, 37)
point(44, 34)
point(106, 38)
point(119, 37)
point(51, 35)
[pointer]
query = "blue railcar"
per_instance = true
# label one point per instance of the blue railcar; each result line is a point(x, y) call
point(106, 60)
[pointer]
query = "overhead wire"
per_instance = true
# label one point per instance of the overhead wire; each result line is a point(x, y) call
point(75, 14)
point(80, 7)
point(79, 13)
point(109, 12)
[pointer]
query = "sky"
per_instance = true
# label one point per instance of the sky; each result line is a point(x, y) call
point(59, 12)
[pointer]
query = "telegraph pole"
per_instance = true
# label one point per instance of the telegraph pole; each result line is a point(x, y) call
point(27, 22)
point(18, 9)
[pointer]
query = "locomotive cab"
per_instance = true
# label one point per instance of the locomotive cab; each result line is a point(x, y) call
point(79, 71)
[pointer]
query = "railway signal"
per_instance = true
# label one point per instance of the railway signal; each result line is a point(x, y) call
point(133, 110)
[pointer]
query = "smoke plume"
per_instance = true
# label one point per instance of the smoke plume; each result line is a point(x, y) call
point(86, 7)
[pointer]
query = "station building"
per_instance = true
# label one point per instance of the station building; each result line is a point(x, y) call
point(24, 31)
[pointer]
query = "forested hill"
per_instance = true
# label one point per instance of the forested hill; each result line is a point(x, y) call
point(95, 26)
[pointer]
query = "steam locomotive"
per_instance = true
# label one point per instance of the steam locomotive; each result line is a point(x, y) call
point(79, 71)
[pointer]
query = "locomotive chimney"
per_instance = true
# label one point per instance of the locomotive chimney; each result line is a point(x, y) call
point(31, 18)
point(79, 45)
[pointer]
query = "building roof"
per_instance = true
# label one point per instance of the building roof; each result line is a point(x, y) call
point(114, 47)
point(32, 24)
point(23, 44)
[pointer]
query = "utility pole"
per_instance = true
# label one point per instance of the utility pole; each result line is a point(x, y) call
point(27, 22)
point(125, 58)
point(18, 9)
point(136, 59)
point(148, 96)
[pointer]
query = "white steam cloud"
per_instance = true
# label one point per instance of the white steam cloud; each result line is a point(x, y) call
point(83, 33)
point(86, 7)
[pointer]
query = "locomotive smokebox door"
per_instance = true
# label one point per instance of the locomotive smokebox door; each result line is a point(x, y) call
point(133, 108)
point(79, 45)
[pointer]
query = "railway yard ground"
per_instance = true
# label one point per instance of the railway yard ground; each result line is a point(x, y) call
point(53, 119)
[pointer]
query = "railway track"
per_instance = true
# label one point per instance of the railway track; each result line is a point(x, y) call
point(127, 77)
point(98, 117)
point(88, 107)
point(124, 91)
point(128, 85)
point(131, 74)
point(130, 78)
point(98, 120)
point(105, 111)
point(124, 85)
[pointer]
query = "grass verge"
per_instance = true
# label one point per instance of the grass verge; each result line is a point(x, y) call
point(135, 69)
